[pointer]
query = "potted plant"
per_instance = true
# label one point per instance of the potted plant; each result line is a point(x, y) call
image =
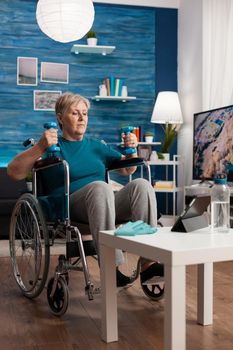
point(170, 133)
point(91, 38)
point(148, 136)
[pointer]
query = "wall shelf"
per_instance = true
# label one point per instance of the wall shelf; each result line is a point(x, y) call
point(113, 98)
point(139, 144)
point(143, 143)
point(164, 162)
point(98, 49)
point(176, 162)
point(168, 190)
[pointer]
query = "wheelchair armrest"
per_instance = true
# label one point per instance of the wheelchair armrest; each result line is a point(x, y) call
point(43, 163)
point(126, 163)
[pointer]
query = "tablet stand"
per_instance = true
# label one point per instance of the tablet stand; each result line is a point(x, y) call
point(190, 224)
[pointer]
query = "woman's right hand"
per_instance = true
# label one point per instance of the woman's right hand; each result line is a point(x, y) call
point(49, 138)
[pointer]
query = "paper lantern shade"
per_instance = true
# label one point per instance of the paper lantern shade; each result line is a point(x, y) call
point(65, 20)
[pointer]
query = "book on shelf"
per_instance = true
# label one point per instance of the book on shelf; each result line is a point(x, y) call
point(141, 135)
point(136, 131)
point(112, 85)
point(107, 84)
point(164, 184)
point(117, 83)
point(120, 86)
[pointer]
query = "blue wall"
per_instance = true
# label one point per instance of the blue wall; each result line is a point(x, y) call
point(145, 57)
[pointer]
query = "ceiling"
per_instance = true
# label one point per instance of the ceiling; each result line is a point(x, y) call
point(150, 3)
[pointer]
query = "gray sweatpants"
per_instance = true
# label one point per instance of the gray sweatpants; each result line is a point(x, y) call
point(97, 205)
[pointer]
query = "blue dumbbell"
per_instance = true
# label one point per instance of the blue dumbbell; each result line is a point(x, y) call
point(54, 148)
point(126, 130)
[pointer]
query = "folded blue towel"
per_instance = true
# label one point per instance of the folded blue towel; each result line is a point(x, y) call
point(135, 228)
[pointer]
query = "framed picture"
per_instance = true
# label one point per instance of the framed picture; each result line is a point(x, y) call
point(27, 70)
point(44, 100)
point(54, 72)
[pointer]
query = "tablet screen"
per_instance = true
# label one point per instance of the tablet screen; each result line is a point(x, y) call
point(196, 207)
point(192, 217)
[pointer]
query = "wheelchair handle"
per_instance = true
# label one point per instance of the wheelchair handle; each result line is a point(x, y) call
point(126, 130)
point(54, 148)
point(29, 142)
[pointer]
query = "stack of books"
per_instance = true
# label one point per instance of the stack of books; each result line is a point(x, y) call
point(113, 86)
point(164, 184)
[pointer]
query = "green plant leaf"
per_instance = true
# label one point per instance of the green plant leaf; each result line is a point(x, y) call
point(169, 137)
point(160, 155)
point(91, 34)
point(148, 133)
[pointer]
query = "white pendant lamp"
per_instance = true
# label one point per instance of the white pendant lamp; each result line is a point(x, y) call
point(65, 20)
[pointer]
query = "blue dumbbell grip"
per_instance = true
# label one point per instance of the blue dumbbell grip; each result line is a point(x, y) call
point(54, 148)
point(50, 125)
point(130, 150)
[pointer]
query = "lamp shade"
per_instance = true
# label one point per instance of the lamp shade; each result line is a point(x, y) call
point(65, 20)
point(167, 108)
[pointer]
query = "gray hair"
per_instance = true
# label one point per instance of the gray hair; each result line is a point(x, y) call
point(66, 100)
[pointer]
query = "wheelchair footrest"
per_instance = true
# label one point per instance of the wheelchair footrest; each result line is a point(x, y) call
point(72, 249)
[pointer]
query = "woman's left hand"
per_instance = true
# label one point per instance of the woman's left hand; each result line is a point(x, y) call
point(129, 140)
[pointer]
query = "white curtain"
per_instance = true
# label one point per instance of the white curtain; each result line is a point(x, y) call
point(205, 64)
point(217, 53)
point(189, 76)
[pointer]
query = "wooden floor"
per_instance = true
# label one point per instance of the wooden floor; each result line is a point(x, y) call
point(29, 325)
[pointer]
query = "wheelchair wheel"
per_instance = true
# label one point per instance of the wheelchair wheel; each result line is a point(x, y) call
point(60, 299)
point(29, 246)
point(153, 290)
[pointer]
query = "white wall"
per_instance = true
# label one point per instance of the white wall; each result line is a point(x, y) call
point(189, 75)
point(189, 66)
point(190, 62)
point(150, 3)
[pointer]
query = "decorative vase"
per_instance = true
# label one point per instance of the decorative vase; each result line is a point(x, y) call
point(149, 139)
point(102, 90)
point(166, 156)
point(91, 41)
point(124, 91)
point(153, 156)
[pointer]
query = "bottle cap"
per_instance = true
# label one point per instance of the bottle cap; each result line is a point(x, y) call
point(220, 179)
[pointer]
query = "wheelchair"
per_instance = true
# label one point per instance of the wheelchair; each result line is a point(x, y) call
point(32, 234)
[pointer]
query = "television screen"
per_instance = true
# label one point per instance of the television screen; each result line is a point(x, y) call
point(212, 142)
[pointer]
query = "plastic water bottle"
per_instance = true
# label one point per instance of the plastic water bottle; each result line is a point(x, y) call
point(220, 205)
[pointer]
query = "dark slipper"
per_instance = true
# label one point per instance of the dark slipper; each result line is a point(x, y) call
point(122, 280)
point(155, 269)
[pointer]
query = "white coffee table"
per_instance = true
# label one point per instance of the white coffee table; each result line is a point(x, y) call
point(175, 250)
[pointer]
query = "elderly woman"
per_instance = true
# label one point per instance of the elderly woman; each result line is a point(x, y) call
point(92, 200)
